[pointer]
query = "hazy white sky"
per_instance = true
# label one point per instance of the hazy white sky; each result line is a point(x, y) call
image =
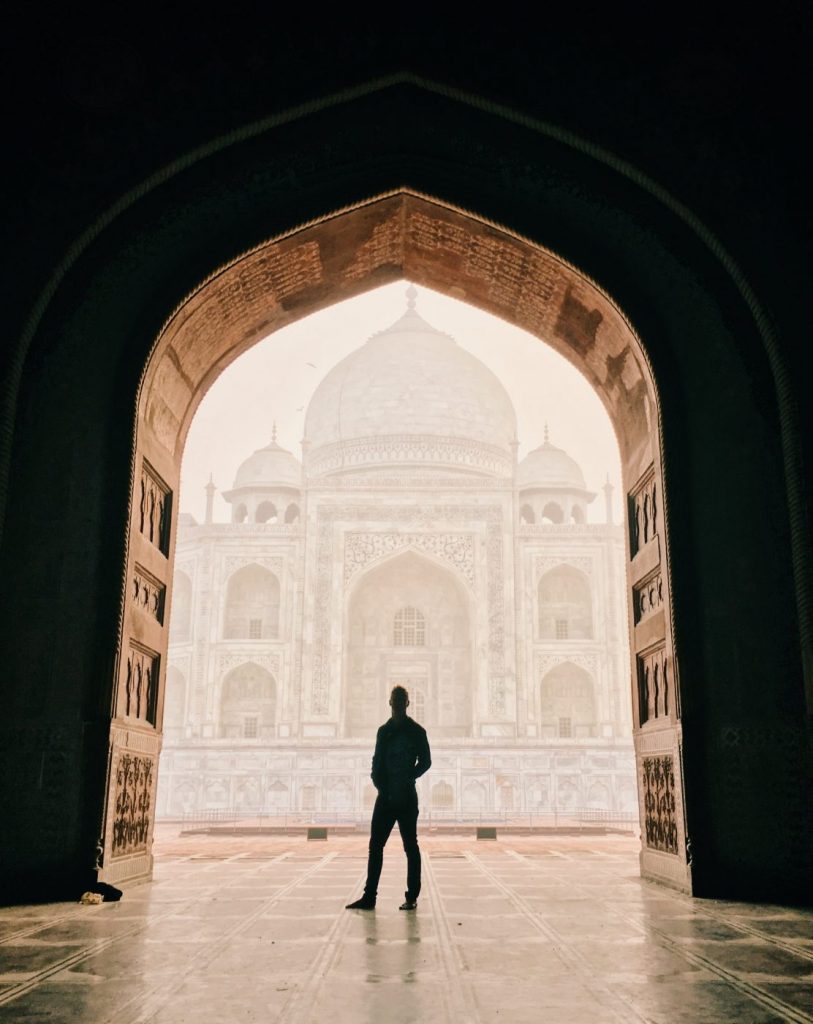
point(274, 381)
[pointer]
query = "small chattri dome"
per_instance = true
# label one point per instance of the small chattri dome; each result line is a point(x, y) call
point(271, 466)
point(550, 467)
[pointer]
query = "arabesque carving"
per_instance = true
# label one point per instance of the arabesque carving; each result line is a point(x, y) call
point(134, 782)
point(275, 564)
point(660, 805)
point(455, 548)
point(357, 453)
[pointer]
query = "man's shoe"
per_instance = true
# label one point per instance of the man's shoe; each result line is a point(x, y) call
point(408, 903)
point(365, 903)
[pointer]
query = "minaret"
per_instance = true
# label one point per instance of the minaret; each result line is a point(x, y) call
point(608, 498)
point(210, 499)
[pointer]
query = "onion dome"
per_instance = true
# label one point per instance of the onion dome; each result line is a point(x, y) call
point(410, 397)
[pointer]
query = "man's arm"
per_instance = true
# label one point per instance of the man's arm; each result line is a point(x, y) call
point(424, 761)
point(377, 773)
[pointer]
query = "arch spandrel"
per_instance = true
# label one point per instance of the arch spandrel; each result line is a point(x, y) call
point(386, 239)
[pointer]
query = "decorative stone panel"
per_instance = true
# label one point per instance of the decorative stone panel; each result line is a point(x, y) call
point(647, 596)
point(141, 683)
point(135, 775)
point(544, 564)
point(226, 662)
point(654, 684)
point(546, 662)
point(660, 805)
point(233, 562)
point(148, 594)
point(154, 508)
point(644, 513)
point(457, 549)
point(408, 450)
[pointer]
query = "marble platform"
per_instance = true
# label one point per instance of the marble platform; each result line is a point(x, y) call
point(522, 930)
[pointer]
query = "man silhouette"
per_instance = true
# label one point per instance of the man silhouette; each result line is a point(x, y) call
point(401, 756)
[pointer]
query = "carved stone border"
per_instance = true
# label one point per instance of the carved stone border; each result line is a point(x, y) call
point(456, 549)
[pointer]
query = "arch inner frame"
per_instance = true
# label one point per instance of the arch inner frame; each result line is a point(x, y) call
point(403, 234)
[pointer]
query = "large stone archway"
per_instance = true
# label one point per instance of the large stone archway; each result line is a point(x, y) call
point(397, 235)
point(740, 565)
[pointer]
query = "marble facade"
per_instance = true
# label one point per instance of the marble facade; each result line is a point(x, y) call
point(412, 547)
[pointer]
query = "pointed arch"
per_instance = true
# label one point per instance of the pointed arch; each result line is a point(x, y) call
point(565, 604)
point(252, 604)
point(403, 613)
point(248, 703)
point(567, 702)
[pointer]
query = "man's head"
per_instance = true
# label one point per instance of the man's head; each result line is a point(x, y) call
point(399, 701)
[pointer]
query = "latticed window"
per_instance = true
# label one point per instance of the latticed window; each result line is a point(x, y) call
point(565, 727)
point(255, 629)
point(419, 710)
point(250, 728)
point(562, 631)
point(410, 628)
point(442, 796)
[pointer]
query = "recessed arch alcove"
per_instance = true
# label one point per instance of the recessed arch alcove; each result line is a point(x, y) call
point(726, 416)
point(405, 609)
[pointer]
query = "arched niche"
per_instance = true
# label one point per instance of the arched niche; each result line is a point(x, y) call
point(475, 796)
point(402, 616)
point(266, 512)
point(292, 513)
point(565, 605)
point(252, 604)
point(567, 702)
point(552, 512)
point(248, 704)
point(527, 515)
point(442, 796)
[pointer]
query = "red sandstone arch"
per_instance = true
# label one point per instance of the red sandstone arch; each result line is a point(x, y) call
point(401, 235)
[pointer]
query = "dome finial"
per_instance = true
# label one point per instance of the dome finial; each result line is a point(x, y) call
point(547, 433)
point(411, 296)
point(274, 433)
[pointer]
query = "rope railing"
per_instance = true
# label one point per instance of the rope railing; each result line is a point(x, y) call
point(576, 817)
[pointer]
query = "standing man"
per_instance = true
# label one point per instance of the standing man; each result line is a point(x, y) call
point(401, 756)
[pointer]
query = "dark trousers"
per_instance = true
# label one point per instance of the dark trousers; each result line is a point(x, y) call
point(385, 815)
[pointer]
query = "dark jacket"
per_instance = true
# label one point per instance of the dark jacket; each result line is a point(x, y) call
point(401, 756)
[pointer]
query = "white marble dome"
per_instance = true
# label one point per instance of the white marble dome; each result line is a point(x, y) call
point(271, 466)
point(550, 467)
point(395, 399)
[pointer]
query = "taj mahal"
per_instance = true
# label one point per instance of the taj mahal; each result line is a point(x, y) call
point(409, 545)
